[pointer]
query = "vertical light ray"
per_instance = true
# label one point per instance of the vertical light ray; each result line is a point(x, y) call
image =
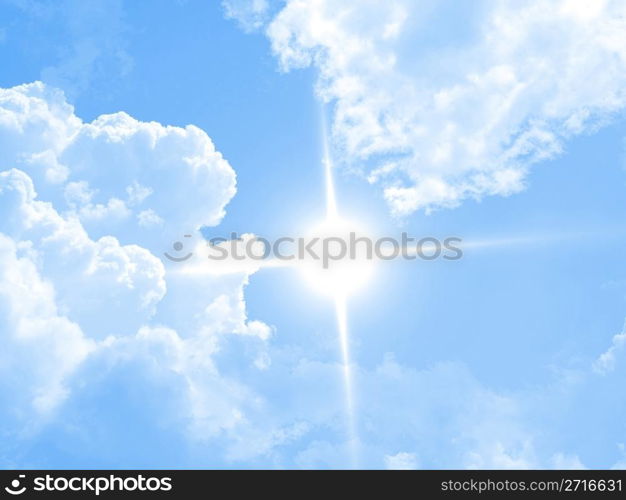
point(331, 198)
point(341, 312)
point(341, 308)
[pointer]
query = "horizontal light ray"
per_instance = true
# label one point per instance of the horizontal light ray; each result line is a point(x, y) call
point(222, 268)
point(249, 265)
point(429, 247)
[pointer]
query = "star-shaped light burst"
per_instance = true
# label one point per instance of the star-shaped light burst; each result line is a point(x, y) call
point(338, 280)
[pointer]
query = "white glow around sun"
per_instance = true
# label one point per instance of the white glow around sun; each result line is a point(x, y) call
point(344, 276)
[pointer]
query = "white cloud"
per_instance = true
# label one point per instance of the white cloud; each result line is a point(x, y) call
point(104, 286)
point(175, 173)
point(149, 218)
point(606, 361)
point(445, 412)
point(495, 455)
point(562, 461)
point(402, 461)
point(250, 14)
point(140, 181)
point(620, 464)
point(40, 346)
point(36, 124)
point(83, 296)
point(210, 402)
point(438, 102)
point(91, 48)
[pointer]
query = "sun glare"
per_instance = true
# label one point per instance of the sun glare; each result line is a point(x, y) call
point(344, 267)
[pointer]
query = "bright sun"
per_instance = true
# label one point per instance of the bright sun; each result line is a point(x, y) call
point(339, 276)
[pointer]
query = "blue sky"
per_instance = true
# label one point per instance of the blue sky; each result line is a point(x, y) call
point(510, 357)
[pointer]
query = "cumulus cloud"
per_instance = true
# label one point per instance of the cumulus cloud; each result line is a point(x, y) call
point(102, 285)
point(439, 102)
point(86, 303)
point(40, 346)
point(36, 124)
point(141, 181)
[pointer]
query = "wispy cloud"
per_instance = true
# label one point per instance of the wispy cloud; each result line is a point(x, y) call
point(438, 102)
